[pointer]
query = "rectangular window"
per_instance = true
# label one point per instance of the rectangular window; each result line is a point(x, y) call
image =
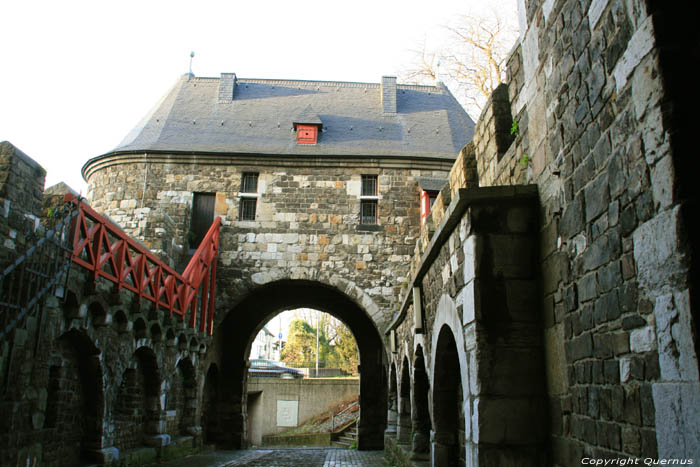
point(368, 213)
point(368, 200)
point(249, 186)
point(247, 209)
point(369, 185)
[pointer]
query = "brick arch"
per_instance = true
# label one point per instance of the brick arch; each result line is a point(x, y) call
point(232, 339)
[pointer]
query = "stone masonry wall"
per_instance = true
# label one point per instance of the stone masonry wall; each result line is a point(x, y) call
point(306, 227)
point(585, 89)
point(89, 379)
point(595, 135)
point(21, 189)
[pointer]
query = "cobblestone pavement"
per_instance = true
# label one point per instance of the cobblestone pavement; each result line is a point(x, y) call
point(293, 457)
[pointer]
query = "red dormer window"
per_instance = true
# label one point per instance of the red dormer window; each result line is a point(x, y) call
point(307, 134)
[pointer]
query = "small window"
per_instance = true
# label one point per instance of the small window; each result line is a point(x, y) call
point(368, 207)
point(368, 213)
point(249, 184)
point(369, 185)
point(247, 209)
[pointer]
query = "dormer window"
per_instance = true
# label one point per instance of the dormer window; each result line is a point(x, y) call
point(307, 126)
point(307, 134)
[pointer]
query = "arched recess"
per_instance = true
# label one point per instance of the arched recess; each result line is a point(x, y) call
point(238, 329)
point(182, 399)
point(150, 380)
point(420, 415)
point(404, 423)
point(448, 413)
point(210, 418)
point(75, 402)
point(393, 410)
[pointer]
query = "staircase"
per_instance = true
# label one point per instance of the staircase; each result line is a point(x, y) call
point(345, 437)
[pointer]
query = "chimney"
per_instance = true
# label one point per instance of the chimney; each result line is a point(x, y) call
point(227, 87)
point(389, 94)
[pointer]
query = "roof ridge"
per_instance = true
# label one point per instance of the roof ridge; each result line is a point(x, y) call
point(306, 82)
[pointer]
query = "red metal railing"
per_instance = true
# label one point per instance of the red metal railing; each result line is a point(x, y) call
point(108, 252)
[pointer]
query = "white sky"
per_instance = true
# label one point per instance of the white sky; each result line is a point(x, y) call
point(77, 76)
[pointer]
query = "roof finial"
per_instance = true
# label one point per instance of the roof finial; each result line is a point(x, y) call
point(190, 75)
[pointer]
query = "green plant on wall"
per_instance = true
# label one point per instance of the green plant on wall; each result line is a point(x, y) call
point(515, 129)
point(525, 160)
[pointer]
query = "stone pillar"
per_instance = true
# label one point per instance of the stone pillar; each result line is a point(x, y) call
point(443, 448)
point(404, 429)
point(392, 417)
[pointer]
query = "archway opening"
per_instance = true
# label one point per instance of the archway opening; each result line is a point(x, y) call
point(303, 378)
point(421, 412)
point(405, 426)
point(234, 336)
point(448, 415)
point(75, 402)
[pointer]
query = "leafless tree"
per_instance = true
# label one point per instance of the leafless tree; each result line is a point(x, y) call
point(472, 62)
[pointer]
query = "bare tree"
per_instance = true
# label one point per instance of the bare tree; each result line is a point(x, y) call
point(472, 62)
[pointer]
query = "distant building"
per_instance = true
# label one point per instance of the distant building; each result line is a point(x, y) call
point(265, 346)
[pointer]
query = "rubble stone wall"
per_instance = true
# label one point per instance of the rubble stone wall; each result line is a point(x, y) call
point(307, 223)
point(21, 190)
point(597, 136)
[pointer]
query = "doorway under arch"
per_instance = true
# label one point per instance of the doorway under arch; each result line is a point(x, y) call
point(233, 338)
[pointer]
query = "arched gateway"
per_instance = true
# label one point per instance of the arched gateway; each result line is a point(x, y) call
point(232, 339)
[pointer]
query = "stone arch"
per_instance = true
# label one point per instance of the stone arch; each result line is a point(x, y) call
point(75, 403)
point(210, 398)
point(156, 334)
point(140, 331)
point(420, 414)
point(233, 337)
point(182, 398)
point(120, 321)
point(404, 421)
point(136, 410)
point(448, 413)
point(97, 309)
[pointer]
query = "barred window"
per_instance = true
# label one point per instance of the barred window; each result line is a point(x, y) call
point(249, 193)
point(368, 214)
point(249, 184)
point(247, 209)
point(369, 185)
point(368, 200)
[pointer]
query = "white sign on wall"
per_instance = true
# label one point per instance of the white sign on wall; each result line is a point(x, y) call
point(287, 413)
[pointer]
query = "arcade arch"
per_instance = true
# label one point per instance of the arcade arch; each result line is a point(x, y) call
point(234, 336)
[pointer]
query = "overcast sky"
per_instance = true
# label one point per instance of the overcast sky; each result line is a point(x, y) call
point(77, 76)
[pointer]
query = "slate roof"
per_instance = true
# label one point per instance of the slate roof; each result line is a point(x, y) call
point(432, 184)
point(255, 116)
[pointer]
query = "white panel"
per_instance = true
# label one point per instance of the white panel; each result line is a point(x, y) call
point(287, 413)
